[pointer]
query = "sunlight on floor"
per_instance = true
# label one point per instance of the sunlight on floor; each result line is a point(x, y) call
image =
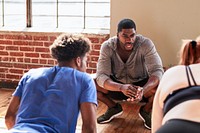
point(2, 125)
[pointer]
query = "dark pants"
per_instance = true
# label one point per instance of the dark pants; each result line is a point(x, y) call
point(116, 95)
point(179, 126)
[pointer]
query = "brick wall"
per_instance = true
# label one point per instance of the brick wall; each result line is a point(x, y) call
point(21, 51)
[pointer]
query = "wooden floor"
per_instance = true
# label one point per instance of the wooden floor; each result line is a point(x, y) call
point(5, 96)
point(128, 122)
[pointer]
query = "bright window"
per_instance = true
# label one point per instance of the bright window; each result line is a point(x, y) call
point(76, 14)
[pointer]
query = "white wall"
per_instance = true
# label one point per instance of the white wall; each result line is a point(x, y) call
point(166, 22)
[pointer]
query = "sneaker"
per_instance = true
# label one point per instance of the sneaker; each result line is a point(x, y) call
point(110, 114)
point(146, 117)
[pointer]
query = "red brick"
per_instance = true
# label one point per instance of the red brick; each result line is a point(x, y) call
point(20, 59)
point(27, 37)
point(92, 65)
point(90, 71)
point(1, 36)
point(11, 36)
point(12, 48)
point(18, 37)
point(34, 61)
point(44, 50)
point(5, 42)
point(26, 49)
point(11, 76)
point(20, 43)
point(41, 38)
point(35, 43)
point(94, 52)
point(12, 59)
point(2, 47)
point(47, 44)
point(51, 62)
point(43, 61)
point(12, 80)
point(27, 60)
point(3, 53)
point(3, 76)
point(4, 70)
point(36, 55)
point(96, 46)
point(46, 56)
point(30, 66)
point(94, 58)
point(94, 40)
point(17, 65)
point(52, 38)
point(16, 71)
point(16, 54)
point(4, 58)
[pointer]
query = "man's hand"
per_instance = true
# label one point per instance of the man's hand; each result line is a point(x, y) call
point(128, 90)
point(138, 96)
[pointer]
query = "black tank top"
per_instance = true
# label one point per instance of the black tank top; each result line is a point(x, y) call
point(183, 94)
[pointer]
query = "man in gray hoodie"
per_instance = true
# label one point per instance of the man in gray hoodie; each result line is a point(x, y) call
point(129, 68)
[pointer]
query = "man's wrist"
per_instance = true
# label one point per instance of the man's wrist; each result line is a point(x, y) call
point(120, 88)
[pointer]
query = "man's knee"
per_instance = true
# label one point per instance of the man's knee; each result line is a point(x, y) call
point(99, 88)
point(150, 93)
point(100, 94)
point(93, 75)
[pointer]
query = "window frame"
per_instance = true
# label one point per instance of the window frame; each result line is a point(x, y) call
point(29, 15)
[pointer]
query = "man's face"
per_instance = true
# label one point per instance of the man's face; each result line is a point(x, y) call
point(127, 38)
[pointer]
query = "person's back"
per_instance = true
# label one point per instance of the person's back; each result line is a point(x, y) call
point(50, 99)
point(175, 107)
point(178, 81)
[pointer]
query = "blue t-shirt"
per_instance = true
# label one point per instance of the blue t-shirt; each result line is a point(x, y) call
point(51, 98)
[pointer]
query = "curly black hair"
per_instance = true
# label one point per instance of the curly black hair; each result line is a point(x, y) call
point(125, 24)
point(69, 46)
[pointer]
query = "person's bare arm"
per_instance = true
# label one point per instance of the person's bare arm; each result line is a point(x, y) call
point(150, 86)
point(11, 112)
point(157, 113)
point(128, 89)
point(88, 114)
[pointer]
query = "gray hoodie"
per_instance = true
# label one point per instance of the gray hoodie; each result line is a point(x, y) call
point(143, 62)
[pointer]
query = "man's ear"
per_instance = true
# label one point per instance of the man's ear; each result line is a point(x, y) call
point(78, 61)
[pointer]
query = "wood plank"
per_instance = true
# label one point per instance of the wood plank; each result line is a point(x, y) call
point(128, 122)
point(5, 96)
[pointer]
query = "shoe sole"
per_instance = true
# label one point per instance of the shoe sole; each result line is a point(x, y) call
point(144, 122)
point(111, 118)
